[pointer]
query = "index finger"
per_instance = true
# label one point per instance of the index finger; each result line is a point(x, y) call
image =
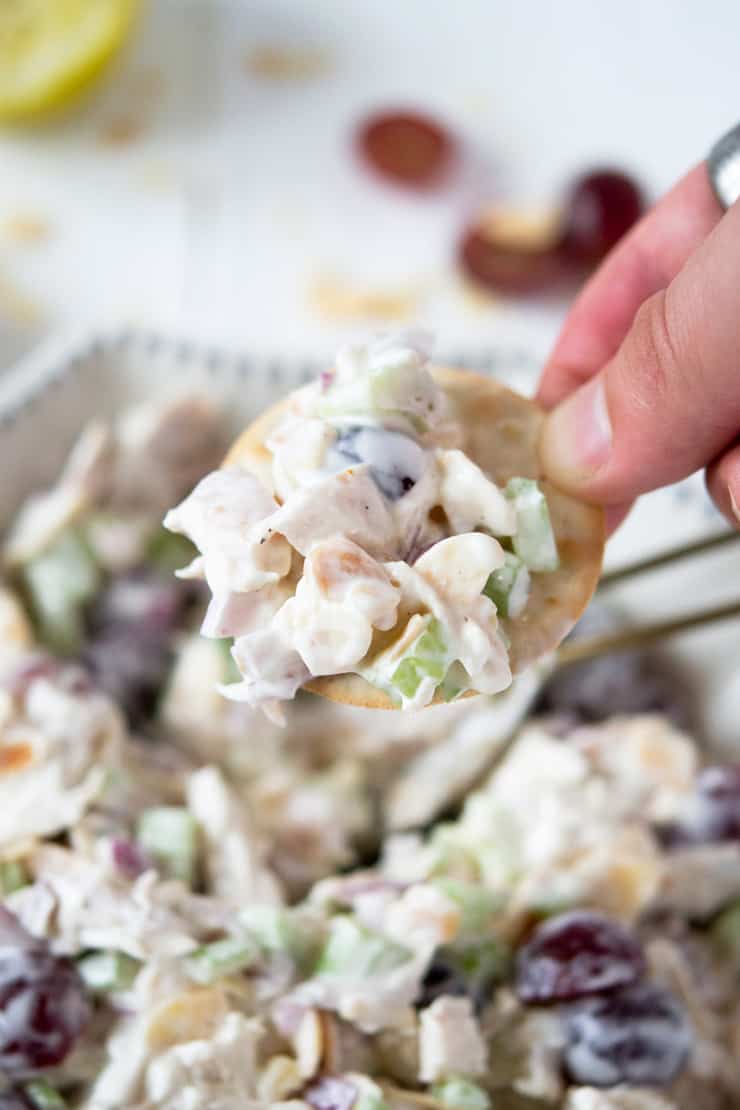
point(646, 260)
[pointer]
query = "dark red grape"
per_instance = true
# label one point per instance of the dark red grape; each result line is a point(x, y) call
point(130, 669)
point(502, 268)
point(396, 461)
point(142, 597)
point(637, 1035)
point(130, 632)
point(331, 1093)
point(625, 682)
point(43, 1004)
point(601, 207)
point(405, 147)
point(577, 954)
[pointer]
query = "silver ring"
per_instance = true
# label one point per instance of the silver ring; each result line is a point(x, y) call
point(723, 166)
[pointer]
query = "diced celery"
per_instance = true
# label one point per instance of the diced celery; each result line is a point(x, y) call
point(357, 952)
point(406, 393)
point(13, 876)
point(108, 971)
point(508, 587)
point(726, 934)
point(347, 401)
point(534, 541)
point(169, 836)
point(59, 582)
point(276, 929)
point(455, 682)
point(427, 657)
point(476, 904)
point(396, 394)
point(461, 1094)
point(230, 671)
point(222, 957)
point(42, 1095)
point(170, 551)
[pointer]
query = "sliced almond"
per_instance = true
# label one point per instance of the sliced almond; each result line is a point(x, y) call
point(279, 1079)
point(191, 1016)
point(309, 1044)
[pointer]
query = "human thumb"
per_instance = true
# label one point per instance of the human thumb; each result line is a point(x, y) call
point(668, 402)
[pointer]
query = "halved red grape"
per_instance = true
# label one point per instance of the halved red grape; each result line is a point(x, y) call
point(141, 597)
point(625, 682)
point(639, 1035)
point(577, 954)
point(406, 147)
point(601, 207)
point(131, 627)
point(503, 268)
point(395, 460)
point(43, 1004)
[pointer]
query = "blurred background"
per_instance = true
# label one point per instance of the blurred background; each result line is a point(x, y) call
point(223, 178)
point(274, 177)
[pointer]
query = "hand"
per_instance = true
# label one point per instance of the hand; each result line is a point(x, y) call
point(644, 381)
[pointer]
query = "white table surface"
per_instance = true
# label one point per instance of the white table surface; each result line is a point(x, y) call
point(239, 192)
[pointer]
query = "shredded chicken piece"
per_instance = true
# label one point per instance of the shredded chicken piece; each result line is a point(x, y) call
point(92, 909)
point(56, 747)
point(233, 854)
point(450, 1041)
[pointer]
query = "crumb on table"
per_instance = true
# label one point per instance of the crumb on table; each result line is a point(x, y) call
point(287, 63)
point(121, 131)
point(335, 298)
point(16, 307)
point(25, 228)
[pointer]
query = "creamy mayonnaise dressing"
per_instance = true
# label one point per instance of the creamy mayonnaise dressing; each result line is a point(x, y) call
point(375, 521)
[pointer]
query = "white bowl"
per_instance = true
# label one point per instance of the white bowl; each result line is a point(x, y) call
point(48, 398)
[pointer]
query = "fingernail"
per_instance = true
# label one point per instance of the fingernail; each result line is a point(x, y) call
point(577, 436)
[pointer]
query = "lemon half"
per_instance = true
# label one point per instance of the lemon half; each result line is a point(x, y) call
point(50, 50)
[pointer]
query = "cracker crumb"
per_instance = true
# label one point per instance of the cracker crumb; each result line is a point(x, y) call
point(334, 298)
point(16, 307)
point(288, 63)
point(147, 84)
point(25, 228)
point(158, 176)
point(121, 131)
point(139, 97)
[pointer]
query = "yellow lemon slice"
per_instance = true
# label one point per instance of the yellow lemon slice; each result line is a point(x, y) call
point(50, 50)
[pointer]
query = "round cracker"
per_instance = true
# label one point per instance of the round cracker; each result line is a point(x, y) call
point(501, 434)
